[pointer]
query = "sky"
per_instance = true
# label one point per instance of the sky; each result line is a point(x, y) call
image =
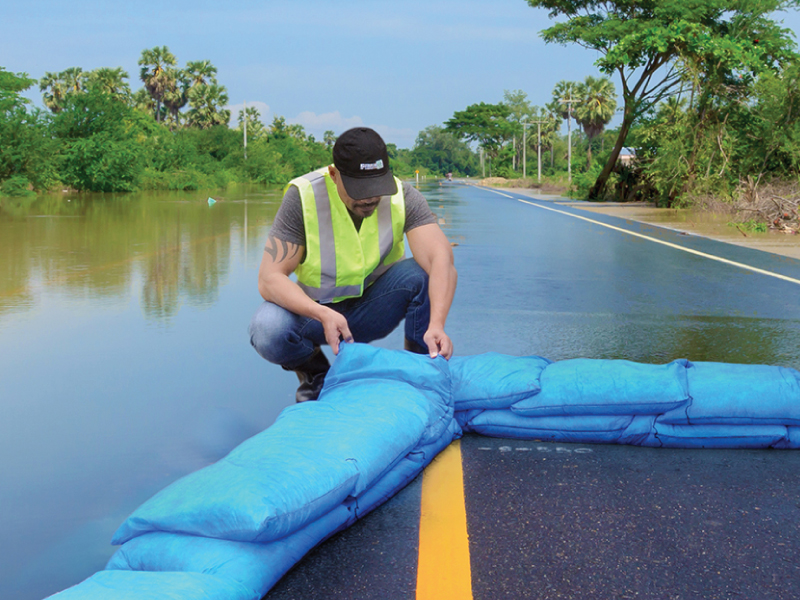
point(398, 66)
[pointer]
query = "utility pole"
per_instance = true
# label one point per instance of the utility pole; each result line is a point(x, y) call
point(568, 102)
point(245, 129)
point(539, 122)
point(524, 145)
point(514, 155)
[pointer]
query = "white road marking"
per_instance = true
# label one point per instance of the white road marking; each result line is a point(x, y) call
point(656, 240)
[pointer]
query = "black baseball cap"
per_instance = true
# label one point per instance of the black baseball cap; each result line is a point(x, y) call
point(361, 158)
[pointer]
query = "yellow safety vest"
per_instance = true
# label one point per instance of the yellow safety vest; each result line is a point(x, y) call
point(340, 260)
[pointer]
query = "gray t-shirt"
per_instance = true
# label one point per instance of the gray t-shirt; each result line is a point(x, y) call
point(289, 227)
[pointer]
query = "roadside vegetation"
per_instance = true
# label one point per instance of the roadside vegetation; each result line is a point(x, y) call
point(709, 106)
point(173, 133)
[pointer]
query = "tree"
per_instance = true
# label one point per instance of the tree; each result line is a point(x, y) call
point(143, 101)
point(597, 103)
point(176, 93)
point(53, 91)
point(200, 72)
point(649, 43)
point(565, 96)
point(26, 147)
point(278, 128)
point(486, 124)
point(102, 142)
point(11, 85)
point(154, 73)
point(206, 102)
point(440, 151)
point(110, 81)
point(55, 87)
point(329, 138)
point(255, 127)
point(520, 111)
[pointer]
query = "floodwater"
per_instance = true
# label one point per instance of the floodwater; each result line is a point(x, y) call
point(125, 360)
point(124, 363)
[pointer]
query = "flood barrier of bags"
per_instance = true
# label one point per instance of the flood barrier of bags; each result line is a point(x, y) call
point(231, 530)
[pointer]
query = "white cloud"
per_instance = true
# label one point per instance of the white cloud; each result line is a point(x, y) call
point(319, 124)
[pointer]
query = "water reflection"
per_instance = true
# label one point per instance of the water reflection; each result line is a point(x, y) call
point(166, 248)
point(124, 364)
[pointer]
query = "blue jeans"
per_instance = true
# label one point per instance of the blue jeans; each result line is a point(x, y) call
point(287, 339)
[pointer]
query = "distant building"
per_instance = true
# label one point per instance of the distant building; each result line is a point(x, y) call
point(626, 156)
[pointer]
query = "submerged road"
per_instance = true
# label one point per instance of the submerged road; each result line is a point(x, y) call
point(495, 518)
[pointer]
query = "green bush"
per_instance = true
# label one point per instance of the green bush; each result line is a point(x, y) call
point(16, 185)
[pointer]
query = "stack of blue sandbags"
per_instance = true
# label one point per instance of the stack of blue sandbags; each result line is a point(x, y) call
point(678, 405)
point(231, 530)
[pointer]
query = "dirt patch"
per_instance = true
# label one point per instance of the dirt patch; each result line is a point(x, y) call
point(527, 184)
point(494, 181)
point(707, 223)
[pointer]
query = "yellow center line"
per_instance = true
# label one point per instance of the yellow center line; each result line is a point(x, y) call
point(657, 241)
point(443, 570)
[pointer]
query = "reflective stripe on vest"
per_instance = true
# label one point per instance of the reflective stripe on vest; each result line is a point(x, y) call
point(363, 255)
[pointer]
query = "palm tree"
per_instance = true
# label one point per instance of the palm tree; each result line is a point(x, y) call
point(597, 103)
point(110, 81)
point(554, 116)
point(201, 72)
point(206, 102)
point(74, 79)
point(57, 86)
point(154, 73)
point(255, 127)
point(143, 101)
point(53, 91)
point(176, 93)
point(565, 96)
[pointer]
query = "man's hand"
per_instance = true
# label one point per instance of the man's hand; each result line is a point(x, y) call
point(438, 342)
point(336, 329)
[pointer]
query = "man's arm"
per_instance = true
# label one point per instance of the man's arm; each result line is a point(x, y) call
point(280, 260)
point(432, 251)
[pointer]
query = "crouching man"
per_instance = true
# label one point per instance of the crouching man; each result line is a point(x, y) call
point(340, 230)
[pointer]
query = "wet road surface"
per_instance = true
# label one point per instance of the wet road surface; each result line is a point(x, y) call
point(559, 521)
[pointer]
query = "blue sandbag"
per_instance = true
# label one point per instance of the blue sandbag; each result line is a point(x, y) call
point(259, 565)
point(128, 585)
point(722, 436)
point(259, 496)
point(255, 566)
point(405, 471)
point(313, 457)
point(594, 429)
point(375, 366)
point(584, 386)
point(493, 380)
point(739, 395)
point(792, 438)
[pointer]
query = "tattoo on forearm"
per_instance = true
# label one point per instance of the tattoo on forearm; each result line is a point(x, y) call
point(276, 247)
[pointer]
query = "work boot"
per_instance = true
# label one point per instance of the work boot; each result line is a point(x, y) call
point(311, 375)
point(414, 347)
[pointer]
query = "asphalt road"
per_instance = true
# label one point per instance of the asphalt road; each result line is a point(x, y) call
point(552, 521)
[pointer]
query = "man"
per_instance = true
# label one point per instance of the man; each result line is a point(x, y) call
point(340, 230)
